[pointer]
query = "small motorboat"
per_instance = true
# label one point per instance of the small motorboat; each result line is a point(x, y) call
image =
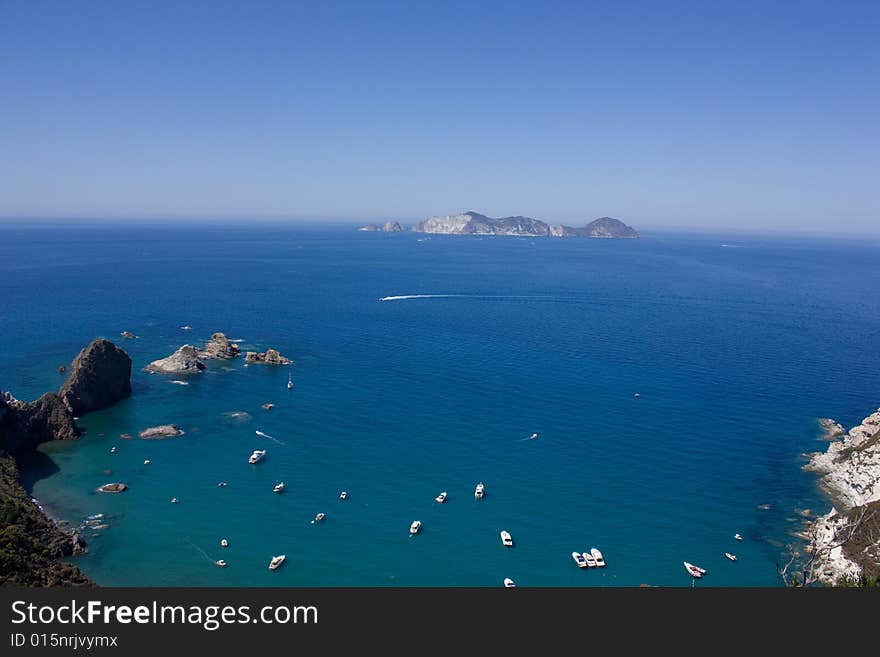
point(221, 484)
point(730, 556)
point(509, 583)
point(277, 561)
point(506, 539)
point(590, 559)
point(257, 456)
point(147, 462)
point(637, 395)
point(343, 495)
point(480, 491)
point(415, 527)
point(174, 500)
point(224, 542)
point(441, 498)
point(113, 450)
point(600, 560)
point(738, 537)
point(318, 518)
point(220, 563)
point(534, 436)
point(579, 559)
point(186, 327)
point(279, 487)
point(289, 382)
point(693, 570)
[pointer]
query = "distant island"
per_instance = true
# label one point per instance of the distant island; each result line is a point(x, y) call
point(474, 223)
point(387, 227)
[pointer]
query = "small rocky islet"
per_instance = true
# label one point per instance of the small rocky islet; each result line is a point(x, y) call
point(190, 360)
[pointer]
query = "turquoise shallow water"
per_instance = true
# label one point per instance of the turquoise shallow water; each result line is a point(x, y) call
point(734, 351)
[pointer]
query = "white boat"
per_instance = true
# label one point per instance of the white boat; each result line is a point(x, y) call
point(289, 382)
point(186, 327)
point(279, 487)
point(506, 539)
point(113, 450)
point(415, 526)
point(257, 456)
point(441, 498)
point(600, 560)
point(730, 556)
point(694, 571)
point(147, 462)
point(318, 518)
point(277, 561)
point(509, 583)
point(221, 484)
point(637, 395)
point(738, 537)
point(221, 563)
point(174, 500)
point(224, 542)
point(534, 436)
point(479, 491)
point(579, 559)
point(343, 495)
point(590, 559)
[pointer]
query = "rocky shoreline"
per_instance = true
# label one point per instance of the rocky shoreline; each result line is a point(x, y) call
point(844, 544)
point(31, 544)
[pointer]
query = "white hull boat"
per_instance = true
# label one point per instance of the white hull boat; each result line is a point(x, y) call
point(506, 539)
point(415, 527)
point(257, 456)
point(600, 560)
point(694, 571)
point(277, 561)
point(579, 559)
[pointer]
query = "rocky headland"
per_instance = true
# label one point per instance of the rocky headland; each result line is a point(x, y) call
point(31, 544)
point(844, 545)
point(269, 357)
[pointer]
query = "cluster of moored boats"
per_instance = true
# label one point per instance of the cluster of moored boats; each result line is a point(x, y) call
point(697, 572)
point(591, 559)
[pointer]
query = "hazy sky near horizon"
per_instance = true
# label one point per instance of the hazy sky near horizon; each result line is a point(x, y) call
point(688, 114)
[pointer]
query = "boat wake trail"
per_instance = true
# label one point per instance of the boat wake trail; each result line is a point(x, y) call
point(204, 554)
point(266, 435)
point(526, 297)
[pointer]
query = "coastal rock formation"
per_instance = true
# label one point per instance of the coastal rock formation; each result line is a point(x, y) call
point(183, 361)
point(604, 227)
point(845, 543)
point(269, 357)
point(474, 223)
point(99, 377)
point(24, 425)
point(219, 347)
point(161, 431)
point(387, 227)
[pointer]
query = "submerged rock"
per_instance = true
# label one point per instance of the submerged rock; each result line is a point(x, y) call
point(99, 377)
point(183, 361)
point(161, 431)
point(269, 357)
point(219, 347)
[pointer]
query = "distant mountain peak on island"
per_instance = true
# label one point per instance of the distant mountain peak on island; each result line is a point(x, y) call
point(475, 223)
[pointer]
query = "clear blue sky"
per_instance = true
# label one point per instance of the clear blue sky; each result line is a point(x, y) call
point(758, 115)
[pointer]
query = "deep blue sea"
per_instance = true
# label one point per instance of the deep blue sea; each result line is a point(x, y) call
point(736, 344)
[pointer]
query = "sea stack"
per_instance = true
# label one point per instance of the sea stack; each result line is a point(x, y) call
point(219, 347)
point(183, 361)
point(269, 357)
point(99, 377)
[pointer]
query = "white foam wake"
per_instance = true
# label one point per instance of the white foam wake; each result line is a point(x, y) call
point(404, 297)
point(266, 435)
